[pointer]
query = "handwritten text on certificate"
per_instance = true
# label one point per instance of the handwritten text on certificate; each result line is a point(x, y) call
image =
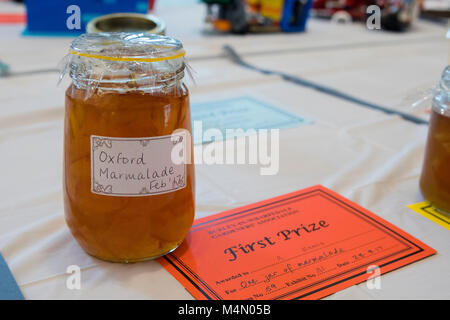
point(303, 245)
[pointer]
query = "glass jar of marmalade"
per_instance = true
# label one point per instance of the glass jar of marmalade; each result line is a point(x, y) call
point(128, 169)
point(435, 178)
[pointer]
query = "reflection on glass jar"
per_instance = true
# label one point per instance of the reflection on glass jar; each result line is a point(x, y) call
point(435, 179)
point(127, 110)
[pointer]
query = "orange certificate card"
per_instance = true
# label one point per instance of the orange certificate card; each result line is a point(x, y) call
point(303, 245)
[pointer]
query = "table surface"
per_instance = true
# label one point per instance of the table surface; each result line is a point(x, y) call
point(367, 156)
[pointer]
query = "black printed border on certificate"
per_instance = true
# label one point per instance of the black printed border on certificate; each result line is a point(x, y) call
point(198, 283)
point(426, 209)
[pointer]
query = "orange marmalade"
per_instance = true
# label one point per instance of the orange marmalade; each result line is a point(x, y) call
point(128, 172)
point(435, 179)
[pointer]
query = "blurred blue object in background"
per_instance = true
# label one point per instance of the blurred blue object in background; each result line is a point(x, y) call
point(8, 286)
point(50, 17)
point(4, 69)
point(295, 15)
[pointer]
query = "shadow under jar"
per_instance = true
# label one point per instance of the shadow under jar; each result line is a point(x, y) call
point(435, 178)
point(128, 166)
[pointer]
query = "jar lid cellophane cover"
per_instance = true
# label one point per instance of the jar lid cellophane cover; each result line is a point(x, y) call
point(124, 61)
point(441, 98)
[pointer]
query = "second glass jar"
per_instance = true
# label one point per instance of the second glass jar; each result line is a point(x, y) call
point(435, 178)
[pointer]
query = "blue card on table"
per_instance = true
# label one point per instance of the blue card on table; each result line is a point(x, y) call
point(9, 290)
point(240, 113)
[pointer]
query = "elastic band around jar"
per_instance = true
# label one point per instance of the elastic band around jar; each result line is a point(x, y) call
point(179, 54)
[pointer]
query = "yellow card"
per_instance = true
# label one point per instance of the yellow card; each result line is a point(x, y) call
point(428, 211)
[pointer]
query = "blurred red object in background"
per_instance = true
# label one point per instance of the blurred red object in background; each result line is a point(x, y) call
point(396, 15)
point(151, 4)
point(12, 18)
point(355, 8)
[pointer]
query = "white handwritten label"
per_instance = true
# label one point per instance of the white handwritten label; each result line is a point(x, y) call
point(132, 167)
